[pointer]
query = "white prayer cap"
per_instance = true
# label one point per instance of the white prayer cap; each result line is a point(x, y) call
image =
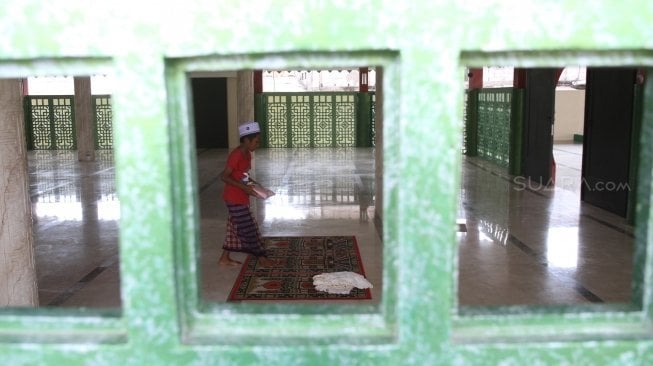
point(248, 128)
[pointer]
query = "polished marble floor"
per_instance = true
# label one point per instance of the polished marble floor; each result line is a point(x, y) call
point(318, 192)
point(529, 245)
point(75, 213)
point(517, 246)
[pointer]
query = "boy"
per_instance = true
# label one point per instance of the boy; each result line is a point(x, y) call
point(242, 230)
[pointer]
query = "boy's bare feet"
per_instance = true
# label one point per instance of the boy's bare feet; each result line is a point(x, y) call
point(229, 262)
point(225, 260)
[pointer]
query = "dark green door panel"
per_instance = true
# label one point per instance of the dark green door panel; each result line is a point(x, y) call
point(609, 102)
point(539, 106)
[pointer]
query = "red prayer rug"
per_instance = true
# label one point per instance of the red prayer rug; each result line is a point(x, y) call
point(299, 259)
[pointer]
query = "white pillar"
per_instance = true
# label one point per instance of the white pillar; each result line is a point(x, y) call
point(243, 103)
point(245, 96)
point(17, 271)
point(84, 119)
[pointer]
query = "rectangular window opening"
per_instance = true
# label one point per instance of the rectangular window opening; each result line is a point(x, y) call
point(65, 208)
point(314, 147)
point(553, 208)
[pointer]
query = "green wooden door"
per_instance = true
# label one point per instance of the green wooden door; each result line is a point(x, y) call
point(539, 101)
point(606, 138)
point(423, 48)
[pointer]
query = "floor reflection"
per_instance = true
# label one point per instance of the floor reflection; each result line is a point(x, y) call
point(75, 213)
point(317, 183)
point(524, 245)
point(516, 246)
point(321, 191)
point(562, 247)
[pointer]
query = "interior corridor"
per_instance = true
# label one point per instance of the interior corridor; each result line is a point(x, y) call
point(517, 244)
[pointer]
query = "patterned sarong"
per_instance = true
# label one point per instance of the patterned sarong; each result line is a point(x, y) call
point(242, 232)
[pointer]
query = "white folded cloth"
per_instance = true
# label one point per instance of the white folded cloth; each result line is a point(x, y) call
point(340, 282)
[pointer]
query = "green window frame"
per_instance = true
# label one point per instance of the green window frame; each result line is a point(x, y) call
point(423, 48)
point(482, 328)
point(251, 324)
point(163, 317)
point(51, 325)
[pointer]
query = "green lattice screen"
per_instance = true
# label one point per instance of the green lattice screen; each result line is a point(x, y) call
point(50, 123)
point(373, 119)
point(102, 115)
point(494, 106)
point(465, 121)
point(310, 119)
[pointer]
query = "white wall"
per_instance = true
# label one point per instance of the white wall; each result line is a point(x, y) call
point(64, 85)
point(569, 114)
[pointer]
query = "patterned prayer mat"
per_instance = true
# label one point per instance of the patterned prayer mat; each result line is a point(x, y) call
point(300, 258)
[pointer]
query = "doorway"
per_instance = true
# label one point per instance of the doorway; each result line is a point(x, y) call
point(210, 112)
point(568, 129)
point(605, 179)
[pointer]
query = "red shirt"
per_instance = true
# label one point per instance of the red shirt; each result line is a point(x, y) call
point(239, 164)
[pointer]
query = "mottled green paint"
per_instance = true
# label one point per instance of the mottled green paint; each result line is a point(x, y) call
point(423, 47)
